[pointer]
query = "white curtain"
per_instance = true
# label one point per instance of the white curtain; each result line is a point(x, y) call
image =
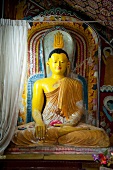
point(13, 58)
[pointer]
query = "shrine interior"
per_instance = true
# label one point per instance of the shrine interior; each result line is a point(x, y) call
point(87, 30)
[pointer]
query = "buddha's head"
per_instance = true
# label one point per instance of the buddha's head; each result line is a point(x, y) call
point(58, 62)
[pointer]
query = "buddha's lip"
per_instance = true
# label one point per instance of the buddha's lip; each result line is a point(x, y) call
point(59, 68)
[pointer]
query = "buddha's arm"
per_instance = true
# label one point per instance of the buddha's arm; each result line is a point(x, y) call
point(37, 102)
point(37, 105)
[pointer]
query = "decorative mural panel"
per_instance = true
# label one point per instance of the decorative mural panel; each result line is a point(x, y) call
point(106, 90)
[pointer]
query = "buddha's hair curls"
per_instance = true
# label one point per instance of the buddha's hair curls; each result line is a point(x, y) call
point(58, 51)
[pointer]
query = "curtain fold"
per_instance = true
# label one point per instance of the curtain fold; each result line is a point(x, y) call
point(13, 62)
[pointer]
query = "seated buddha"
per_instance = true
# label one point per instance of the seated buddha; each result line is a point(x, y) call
point(59, 120)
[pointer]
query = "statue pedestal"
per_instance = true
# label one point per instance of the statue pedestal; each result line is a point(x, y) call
point(49, 162)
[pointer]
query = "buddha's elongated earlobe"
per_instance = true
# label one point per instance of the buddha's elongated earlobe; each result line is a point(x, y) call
point(68, 69)
point(48, 68)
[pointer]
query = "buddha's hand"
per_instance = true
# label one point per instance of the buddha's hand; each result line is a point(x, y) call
point(40, 130)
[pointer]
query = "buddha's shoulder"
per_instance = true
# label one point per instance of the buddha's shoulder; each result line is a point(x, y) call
point(42, 81)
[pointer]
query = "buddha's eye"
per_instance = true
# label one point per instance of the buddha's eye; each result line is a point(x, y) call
point(55, 62)
point(62, 62)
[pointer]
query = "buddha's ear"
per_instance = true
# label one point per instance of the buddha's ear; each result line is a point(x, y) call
point(47, 63)
point(68, 68)
point(48, 67)
point(68, 64)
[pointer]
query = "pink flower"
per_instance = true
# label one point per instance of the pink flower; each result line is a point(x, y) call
point(53, 122)
point(103, 159)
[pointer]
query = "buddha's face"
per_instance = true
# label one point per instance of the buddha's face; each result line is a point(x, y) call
point(58, 63)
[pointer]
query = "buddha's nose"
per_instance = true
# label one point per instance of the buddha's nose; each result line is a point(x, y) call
point(59, 63)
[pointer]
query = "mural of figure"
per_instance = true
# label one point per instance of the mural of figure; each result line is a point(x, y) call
point(108, 61)
point(59, 122)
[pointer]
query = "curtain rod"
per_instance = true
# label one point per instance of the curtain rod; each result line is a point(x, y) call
point(71, 21)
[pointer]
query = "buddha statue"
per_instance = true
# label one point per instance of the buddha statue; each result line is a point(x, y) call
point(59, 120)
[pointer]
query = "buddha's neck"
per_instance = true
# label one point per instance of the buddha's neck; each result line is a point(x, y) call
point(57, 77)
